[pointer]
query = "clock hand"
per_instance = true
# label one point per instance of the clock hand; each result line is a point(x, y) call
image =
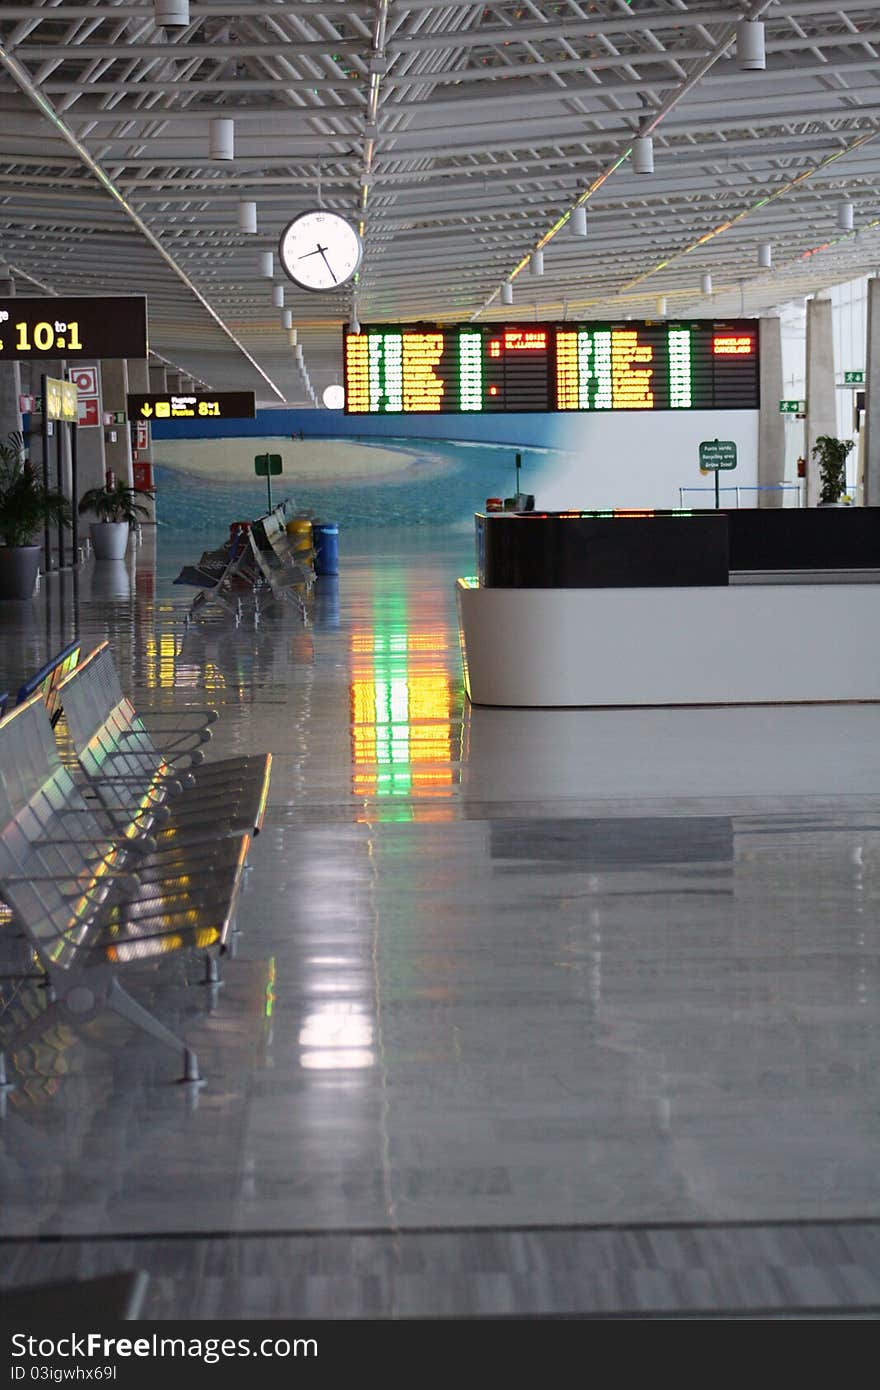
point(318, 251)
point(327, 264)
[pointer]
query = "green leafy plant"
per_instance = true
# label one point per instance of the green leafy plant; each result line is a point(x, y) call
point(25, 504)
point(117, 503)
point(831, 455)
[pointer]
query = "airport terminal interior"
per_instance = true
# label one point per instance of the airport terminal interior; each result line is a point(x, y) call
point(439, 595)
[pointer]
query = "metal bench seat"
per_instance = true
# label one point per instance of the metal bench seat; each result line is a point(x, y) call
point(132, 778)
point(293, 566)
point(90, 901)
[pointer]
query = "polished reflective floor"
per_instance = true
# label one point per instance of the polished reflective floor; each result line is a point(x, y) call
point(547, 1012)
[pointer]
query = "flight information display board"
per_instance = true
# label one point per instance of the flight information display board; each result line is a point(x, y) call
point(405, 369)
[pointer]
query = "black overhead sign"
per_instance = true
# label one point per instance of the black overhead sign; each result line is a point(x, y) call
point(103, 326)
point(222, 405)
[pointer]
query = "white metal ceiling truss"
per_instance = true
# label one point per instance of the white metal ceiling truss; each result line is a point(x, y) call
point(459, 134)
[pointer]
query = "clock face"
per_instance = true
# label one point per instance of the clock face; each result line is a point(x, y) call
point(319, 250)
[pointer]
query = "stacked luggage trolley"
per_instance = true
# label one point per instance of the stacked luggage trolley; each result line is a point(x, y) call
point(266, 561)
point(131, 849)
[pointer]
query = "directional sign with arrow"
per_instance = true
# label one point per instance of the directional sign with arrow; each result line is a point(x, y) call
point(223, 405)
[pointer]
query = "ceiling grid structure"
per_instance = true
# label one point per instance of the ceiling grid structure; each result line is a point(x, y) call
point(460, 136)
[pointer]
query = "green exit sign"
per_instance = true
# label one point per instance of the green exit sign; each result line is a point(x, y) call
point(718, 454)
point(854, 378)
point(793, 407)
point(267, 465)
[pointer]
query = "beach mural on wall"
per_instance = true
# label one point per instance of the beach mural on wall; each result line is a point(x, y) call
point(401, 482)
point(375, 477)
point(438, 469)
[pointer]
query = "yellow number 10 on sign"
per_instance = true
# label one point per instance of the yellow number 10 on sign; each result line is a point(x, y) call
point(49, 336)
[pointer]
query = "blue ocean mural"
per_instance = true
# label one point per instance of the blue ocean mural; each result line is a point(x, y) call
point(205, 472)
point(422, 470)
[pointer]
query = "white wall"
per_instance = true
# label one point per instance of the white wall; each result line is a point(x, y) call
point(630, 459)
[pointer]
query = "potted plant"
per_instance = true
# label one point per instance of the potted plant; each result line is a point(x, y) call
point(25, 507)
point(831, 455)
point(117, 508)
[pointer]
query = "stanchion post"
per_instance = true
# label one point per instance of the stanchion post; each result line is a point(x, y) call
point(59, 478)
point(47, 544)
point(74, 489)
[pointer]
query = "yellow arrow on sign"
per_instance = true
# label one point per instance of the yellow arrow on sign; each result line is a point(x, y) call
point(146, 410)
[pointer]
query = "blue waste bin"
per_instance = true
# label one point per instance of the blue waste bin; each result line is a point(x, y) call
point(325, 537)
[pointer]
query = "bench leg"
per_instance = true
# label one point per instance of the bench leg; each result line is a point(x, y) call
point(123, 1004)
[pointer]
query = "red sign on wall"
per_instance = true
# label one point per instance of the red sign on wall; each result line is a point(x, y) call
point(88, 416)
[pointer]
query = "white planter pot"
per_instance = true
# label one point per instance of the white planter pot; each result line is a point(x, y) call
point(109, 539)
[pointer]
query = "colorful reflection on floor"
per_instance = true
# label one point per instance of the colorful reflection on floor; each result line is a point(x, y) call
point(406, 709)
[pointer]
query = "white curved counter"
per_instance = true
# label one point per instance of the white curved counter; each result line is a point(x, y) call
point(743, 644)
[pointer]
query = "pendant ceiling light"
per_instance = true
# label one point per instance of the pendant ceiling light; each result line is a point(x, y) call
point(221, 141)
point(643, 155)
point(247, 217)
point(579, 221)
point(750, 55)
point(172, 14)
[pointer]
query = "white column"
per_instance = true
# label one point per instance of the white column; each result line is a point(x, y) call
point(871, 444)
point(771, 423)
point(139, 380)
point(114, 389)
point(821, 397)
point(10, 375)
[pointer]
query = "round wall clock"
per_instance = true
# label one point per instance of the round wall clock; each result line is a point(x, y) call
point(320, 250)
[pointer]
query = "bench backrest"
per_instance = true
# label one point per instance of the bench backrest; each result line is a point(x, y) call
point(49, 839)
point(111, 743)
point(49, 677)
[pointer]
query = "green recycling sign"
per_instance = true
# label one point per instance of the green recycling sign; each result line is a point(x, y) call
point(717, 454)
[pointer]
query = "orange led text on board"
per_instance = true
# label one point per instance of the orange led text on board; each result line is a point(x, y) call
point(733, 346)
point(525, 340)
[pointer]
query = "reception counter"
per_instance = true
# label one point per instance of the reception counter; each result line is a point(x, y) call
point(594, 641)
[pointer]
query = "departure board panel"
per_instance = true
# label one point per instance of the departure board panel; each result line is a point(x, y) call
point(403, 369)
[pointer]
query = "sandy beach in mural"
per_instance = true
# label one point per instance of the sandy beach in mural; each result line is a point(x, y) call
point(324, 462)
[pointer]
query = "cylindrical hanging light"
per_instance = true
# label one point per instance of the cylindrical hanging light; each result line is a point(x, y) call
point(355, 323)
point(278, 296)
point(661, 306)
point(643, 155)
point(536, 262)
point(579, 221)
point(750, 54)
point(298, 353)
point(291, 337)
point(221, 140)
point(172, 14)
point(706, 283)
point(507, 293)
point(765, 255)
point(267, 266)
point(247, 217)
point(845, 216)
point(287, 318)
